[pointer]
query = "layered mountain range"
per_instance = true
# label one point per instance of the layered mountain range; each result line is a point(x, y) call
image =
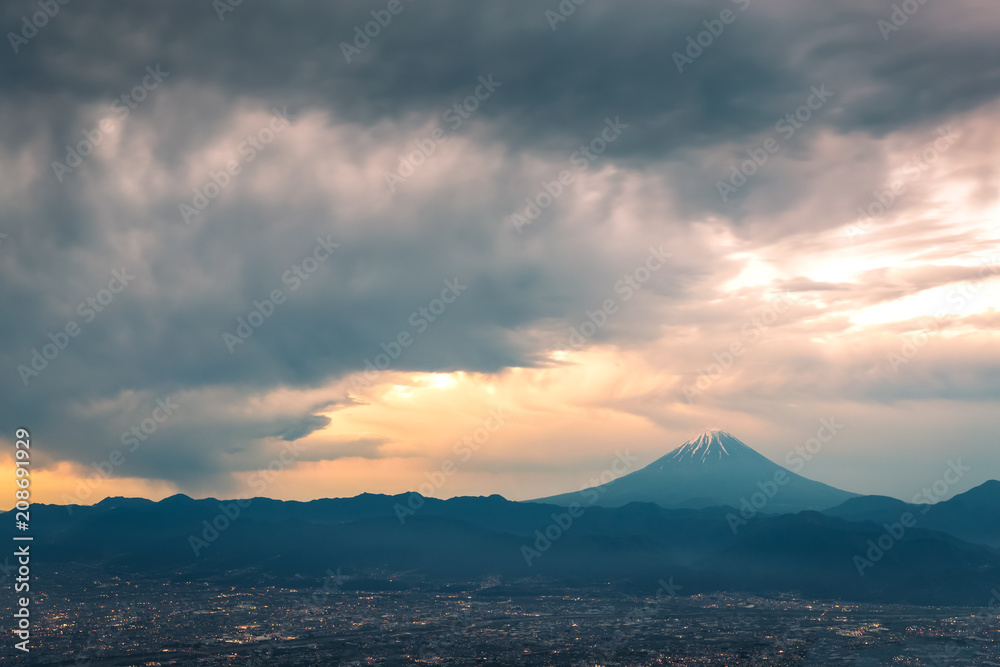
point(682, 518)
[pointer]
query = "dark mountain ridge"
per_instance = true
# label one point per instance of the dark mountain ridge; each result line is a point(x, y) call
point(471, 538)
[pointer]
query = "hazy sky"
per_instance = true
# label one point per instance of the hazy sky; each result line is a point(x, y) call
point(462, 193)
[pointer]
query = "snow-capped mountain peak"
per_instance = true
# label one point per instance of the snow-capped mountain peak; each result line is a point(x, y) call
point(709, 446)
point(713, 469)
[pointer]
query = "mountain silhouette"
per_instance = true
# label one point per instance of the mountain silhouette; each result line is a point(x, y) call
point(711, 470)
point(973, 516)
point(381, 544)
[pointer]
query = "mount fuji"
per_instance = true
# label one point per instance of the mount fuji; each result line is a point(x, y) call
point(713, 469)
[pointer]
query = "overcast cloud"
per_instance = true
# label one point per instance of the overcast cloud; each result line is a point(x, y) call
point(259, 159)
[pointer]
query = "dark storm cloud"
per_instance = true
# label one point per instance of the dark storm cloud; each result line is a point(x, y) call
point(163, 333)
point(556, 84)
point(301, 428)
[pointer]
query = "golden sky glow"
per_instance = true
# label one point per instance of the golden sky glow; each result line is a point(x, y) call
point(890, 323)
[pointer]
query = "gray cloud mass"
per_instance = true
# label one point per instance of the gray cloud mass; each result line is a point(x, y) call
point(323, 177)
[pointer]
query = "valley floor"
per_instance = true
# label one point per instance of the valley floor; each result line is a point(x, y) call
point(157, 622)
